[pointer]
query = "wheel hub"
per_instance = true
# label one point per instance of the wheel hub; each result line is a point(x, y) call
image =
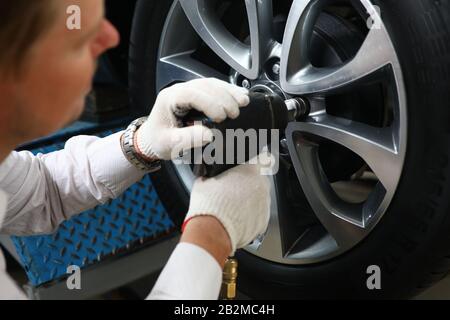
point(265, 83)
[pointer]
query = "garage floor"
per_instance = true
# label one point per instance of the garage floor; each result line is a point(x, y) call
point(440, 291)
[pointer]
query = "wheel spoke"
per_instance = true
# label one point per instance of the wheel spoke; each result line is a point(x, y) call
point(343, 221)
point(298, 76)
point(181, 68)
point(260, 19)
point(243, 58)
point(271, 242)
point(376, 146)
point(297, 36)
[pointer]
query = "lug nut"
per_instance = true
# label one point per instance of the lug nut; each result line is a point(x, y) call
point(246, 84)
point(283, 144)
point(276, 69)
point(305, 108)
point(298, 108)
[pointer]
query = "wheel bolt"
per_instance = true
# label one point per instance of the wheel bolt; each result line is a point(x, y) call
point(246, 84)
point(276, 69)
point(283, 144)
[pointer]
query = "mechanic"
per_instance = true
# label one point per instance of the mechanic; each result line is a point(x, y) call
point(46, 71)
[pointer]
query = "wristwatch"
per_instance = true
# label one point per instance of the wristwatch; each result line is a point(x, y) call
point(130, 150)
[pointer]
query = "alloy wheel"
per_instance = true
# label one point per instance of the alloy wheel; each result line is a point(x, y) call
point(198, 42)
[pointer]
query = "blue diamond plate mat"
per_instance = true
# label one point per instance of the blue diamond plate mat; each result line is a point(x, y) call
point(136, 218)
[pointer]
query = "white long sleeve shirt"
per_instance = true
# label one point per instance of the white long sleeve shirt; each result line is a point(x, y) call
point(37, 193)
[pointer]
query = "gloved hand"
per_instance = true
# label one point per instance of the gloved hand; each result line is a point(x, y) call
point(160, 136)
point(239, 198)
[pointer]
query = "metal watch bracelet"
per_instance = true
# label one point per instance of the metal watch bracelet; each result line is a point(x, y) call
point(129, 149)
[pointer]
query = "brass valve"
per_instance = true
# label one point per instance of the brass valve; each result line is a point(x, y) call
point(228, 290)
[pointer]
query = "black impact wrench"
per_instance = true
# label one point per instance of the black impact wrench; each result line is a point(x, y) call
point(265, 111)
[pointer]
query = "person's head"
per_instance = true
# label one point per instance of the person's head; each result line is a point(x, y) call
point(46, 70)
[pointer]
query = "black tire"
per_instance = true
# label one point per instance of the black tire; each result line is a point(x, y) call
point(146, 30)
point(411, 244)
point(148, 23)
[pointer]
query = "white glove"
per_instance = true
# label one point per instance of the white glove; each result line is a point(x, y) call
point(239, 198)
point(160, 136)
